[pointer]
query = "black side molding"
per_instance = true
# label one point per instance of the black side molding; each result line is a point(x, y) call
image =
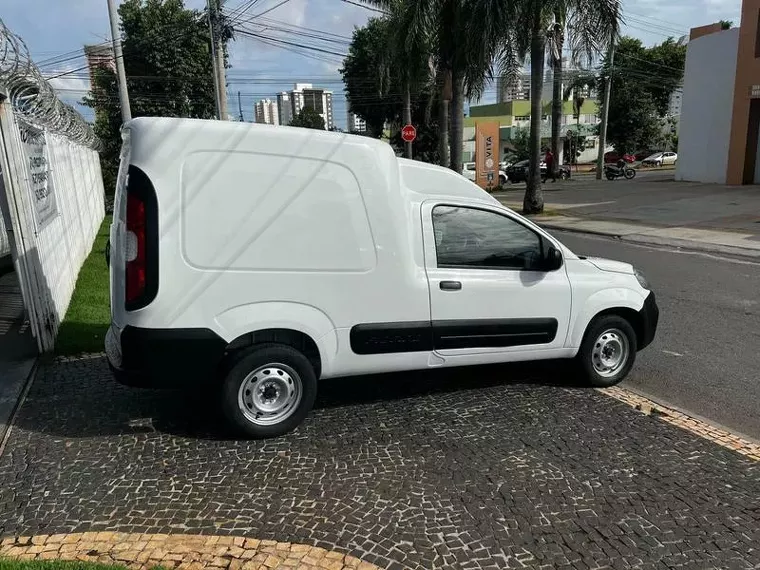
point(388, 338)
point(493, 333)
point(417, 336)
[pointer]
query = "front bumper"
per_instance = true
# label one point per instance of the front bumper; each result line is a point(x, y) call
point(163, 358)
point(649, 316)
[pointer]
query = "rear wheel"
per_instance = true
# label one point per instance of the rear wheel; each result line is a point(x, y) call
point(268, 390)
point(610, 175)
point(607, 352)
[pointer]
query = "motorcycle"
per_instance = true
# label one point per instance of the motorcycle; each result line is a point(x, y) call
point(625, 171)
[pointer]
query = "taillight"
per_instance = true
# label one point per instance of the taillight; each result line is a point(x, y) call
point(141, 241)
point(135, 248)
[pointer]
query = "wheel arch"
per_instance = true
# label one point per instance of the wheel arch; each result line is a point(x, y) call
point(301, 326)
point(622, 302)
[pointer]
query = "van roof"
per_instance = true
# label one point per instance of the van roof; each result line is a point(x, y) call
point(419, 178)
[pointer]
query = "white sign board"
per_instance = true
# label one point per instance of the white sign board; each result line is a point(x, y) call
point(34, 145)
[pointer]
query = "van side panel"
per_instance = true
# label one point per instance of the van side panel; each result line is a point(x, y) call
point(253, 213)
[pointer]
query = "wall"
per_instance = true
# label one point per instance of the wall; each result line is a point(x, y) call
point(742, 149)
point(49, 250)
point(708, 90)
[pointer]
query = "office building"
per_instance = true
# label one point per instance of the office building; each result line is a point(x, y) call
point(305, 95)
point(355, 124)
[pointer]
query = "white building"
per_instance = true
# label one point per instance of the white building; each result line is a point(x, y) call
point(354, 123)
point(266, 112)
point(707, 106)
point(303, 95)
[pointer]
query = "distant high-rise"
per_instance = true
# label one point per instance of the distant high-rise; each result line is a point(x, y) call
point(290, 103)
point(99, 56)
point(355, 124)
point(266, 112)
point(284, 107)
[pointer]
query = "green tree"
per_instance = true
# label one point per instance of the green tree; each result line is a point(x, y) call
point(643, 80)
point(367, 78)
point(590, 26)
point(168, 66)
point(444, 29)
point(726, 24)
point(309, 119)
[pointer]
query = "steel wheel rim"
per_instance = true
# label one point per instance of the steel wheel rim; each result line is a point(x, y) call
point(270, 394)
point(610, 352)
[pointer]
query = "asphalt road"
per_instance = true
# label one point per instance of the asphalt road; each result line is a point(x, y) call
point(706, 356)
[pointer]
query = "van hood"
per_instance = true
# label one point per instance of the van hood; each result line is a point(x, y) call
point(611, 265)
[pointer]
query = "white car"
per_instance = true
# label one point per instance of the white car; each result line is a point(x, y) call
point(660, 159)
point(238, 262)
point(468, 171)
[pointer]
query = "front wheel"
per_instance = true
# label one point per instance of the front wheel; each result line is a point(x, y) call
point(630, 173)
point(607, 352)
point(268, 390)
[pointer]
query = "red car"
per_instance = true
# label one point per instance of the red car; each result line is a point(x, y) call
point(613, 156)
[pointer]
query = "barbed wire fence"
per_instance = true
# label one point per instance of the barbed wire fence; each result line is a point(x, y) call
point(33, 100)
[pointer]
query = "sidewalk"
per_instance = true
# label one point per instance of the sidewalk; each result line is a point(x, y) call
point(17, 348)
point(655, 210)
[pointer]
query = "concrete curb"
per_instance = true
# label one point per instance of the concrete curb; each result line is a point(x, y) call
point(643, 239)
point(191, 552)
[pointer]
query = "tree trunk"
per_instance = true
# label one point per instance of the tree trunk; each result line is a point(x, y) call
point(557, 91)
point(407, 116)
point(456, 143)
point(443, 119)
point(533, 203)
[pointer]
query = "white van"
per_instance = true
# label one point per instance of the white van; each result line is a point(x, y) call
point(264, 258)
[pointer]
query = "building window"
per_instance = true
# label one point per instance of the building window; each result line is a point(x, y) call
point(522, 118)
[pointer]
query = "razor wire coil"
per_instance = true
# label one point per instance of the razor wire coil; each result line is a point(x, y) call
point(32, 98)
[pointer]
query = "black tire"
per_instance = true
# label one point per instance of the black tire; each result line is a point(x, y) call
point(563, 175)
point(610, 176)
point(630, 174)
point(254, 358)
point(585, 357)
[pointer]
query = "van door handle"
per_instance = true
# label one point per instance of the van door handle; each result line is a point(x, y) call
point(451, 285)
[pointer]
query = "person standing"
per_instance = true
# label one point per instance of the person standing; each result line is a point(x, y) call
point(549, 160)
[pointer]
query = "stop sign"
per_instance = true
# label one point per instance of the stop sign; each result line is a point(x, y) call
point(408, 133)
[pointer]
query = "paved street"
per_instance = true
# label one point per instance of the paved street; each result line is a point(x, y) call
point(654, 198)
point(705, 356)
point(504, 467)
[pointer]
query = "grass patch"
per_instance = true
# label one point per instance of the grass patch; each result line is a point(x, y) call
point(89, 315)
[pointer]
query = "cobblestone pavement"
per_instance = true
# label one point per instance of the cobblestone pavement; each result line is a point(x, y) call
point(473, 468)
point(184, 551)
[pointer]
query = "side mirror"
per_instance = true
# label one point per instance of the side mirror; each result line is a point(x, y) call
point(553, 260)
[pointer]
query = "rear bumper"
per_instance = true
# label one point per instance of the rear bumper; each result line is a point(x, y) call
point(163, 358)
point(649, 317)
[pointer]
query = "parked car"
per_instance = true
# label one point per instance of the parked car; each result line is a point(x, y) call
point(468, 171)
point(613, 157)
point(239, 263)
point(642, 154)
point(518, 172)
point(660, 159)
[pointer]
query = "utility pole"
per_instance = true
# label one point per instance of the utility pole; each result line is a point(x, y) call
point(217, 61)
point(126, 111)
point(240, 107)
point(605, 115)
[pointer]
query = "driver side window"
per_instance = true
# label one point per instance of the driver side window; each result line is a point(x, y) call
point(473, 238)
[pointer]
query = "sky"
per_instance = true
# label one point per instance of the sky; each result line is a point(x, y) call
point(260, 70)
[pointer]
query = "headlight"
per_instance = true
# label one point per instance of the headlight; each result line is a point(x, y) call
point(641, 279)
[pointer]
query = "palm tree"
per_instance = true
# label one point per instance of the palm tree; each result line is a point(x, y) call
point(591, 25)
point(463, 58)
